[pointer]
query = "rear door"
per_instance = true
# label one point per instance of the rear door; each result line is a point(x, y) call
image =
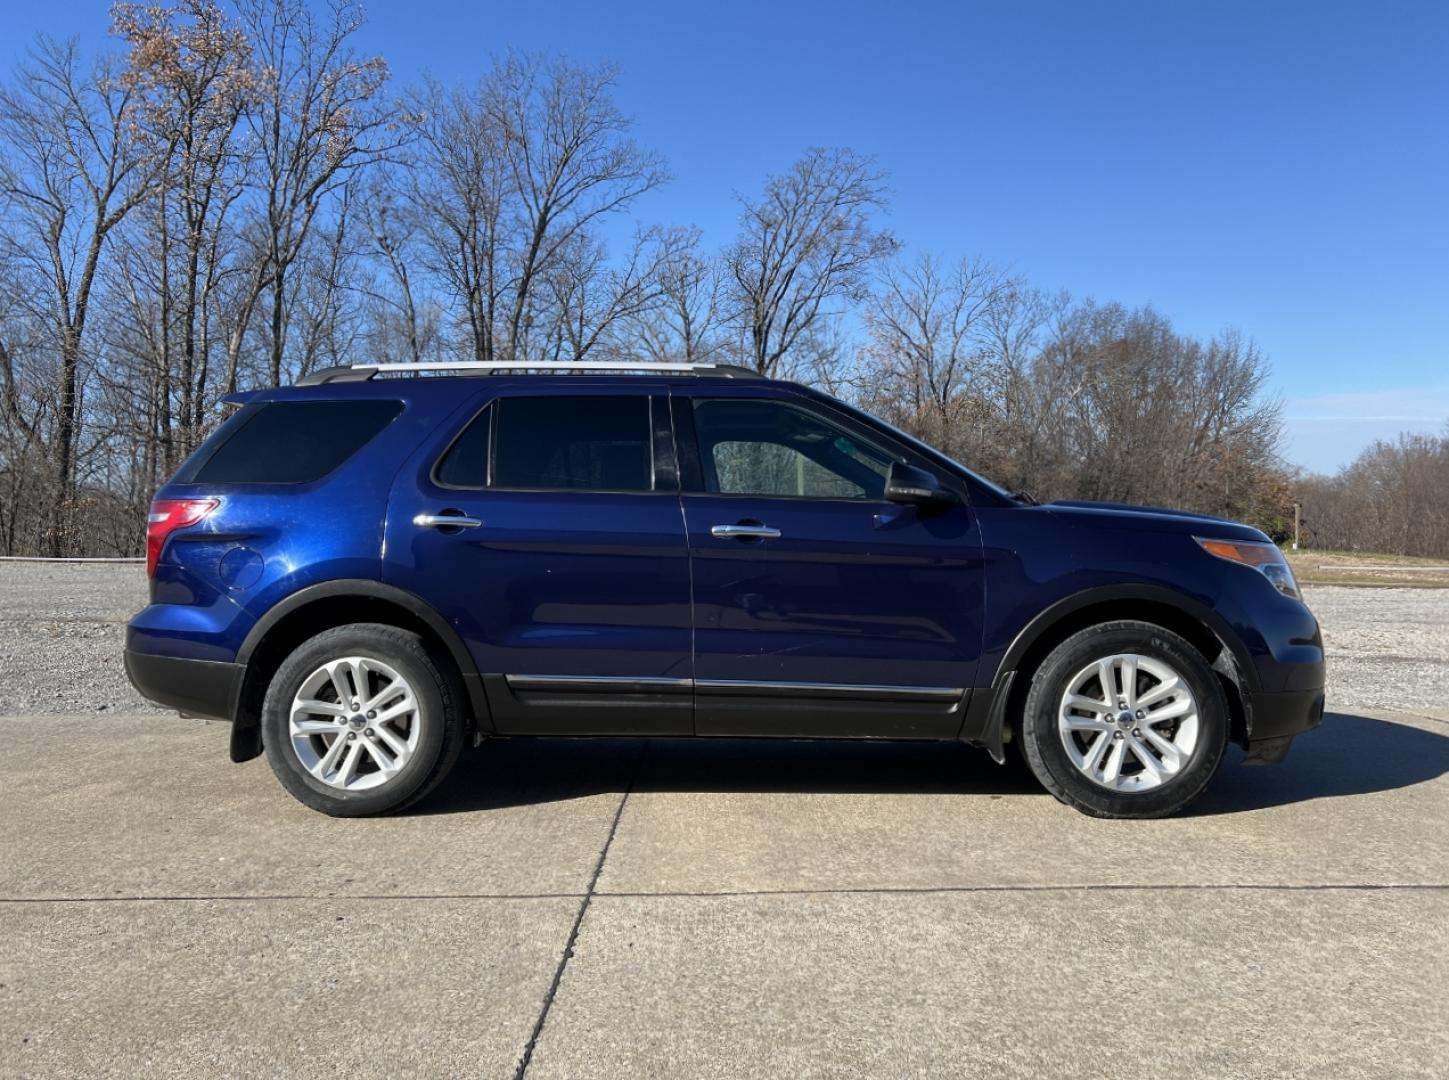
point(568, 572)
point(820, 608)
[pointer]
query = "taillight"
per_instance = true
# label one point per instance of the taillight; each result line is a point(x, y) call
point(168, 515)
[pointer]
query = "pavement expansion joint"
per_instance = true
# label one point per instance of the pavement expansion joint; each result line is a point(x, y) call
point(707, 894)
point(930, 890)
point(568, 951)
point(235, 898)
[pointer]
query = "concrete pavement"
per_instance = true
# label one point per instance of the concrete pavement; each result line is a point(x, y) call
point(1138, 983)
point(718, 909)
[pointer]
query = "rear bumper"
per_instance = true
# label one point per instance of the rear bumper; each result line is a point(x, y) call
point(195, 687)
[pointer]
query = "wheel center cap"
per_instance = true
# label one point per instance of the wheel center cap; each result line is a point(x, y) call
point(357, 722)
point(1124, 720)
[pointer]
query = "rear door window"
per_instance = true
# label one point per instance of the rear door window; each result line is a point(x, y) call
point(287, 442)
point(585, 442)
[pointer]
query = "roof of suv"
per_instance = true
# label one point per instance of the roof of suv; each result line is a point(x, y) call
point(431, 381)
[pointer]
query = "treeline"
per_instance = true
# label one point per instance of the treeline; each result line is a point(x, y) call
point(230, 196)
point(1394, 497)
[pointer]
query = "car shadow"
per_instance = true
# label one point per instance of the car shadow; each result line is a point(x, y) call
point(1347, 755)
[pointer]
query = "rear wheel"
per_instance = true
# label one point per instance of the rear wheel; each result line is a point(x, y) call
point(1125, 720)
point(362, 720)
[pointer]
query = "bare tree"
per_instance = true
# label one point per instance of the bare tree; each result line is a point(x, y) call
point(931, 354)
point(570, 162)
point(807, 243)
point(323, 304)
point(26, 417)
point(224, 203)
point(192, 70)
point(513, 176)
point(319, 116)
point(456, 188)
point(1140, 413)
point(71, 168)
point(390, 228)
point(685, 321)
point(595, 300)
point(1393, 497)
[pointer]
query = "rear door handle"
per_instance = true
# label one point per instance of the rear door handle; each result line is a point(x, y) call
point(446, 521)
point(745, 532)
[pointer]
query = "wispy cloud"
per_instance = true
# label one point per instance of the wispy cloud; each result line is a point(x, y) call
point(1326, 431)
point(1350, 418)
point(1424, 404)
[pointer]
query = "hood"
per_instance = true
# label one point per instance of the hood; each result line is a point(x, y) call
point(1108, 515)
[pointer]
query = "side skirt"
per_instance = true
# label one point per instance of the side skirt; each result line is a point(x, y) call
point(593, 705)
point(589, 705)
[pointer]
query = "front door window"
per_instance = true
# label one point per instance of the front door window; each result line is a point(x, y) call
point(772, 448)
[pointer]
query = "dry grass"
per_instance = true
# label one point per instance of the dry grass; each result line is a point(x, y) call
point(1358, 568)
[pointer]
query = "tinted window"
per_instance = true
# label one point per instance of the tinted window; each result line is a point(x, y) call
point(466, 462)
point(761, 447)
point(596, 443)
point(288, 442)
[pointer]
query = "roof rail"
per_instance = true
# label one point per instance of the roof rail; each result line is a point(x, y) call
point(336, 374)
point(363, 372)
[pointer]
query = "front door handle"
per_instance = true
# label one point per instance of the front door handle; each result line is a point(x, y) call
point(446, 521)
point(745, 532)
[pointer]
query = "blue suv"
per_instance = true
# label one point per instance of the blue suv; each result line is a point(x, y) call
point(368, 569)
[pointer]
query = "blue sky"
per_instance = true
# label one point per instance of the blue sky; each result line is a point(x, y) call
point(1278, 167)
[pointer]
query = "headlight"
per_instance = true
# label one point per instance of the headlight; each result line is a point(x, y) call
point(1267, 559)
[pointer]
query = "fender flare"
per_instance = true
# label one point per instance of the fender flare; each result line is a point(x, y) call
point(1048, 617)
point(988, 708)
point(246, 740)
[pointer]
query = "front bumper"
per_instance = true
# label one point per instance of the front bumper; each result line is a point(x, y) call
point(1291, 678)
point(205, 688)
point(1275, 719)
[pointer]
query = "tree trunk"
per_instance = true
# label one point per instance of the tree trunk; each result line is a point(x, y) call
point(279, 323)
point(65, 443)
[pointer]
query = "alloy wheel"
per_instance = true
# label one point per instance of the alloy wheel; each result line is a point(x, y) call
point(354, 723)
point(1128, 722)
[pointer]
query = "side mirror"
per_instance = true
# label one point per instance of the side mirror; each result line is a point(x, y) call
point(915, 487)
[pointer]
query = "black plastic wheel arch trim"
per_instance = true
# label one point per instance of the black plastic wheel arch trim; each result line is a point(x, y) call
point(246, 737)
point(1048, 617)
point(986, 719)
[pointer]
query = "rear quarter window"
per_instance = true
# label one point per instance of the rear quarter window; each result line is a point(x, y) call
point(287, 442)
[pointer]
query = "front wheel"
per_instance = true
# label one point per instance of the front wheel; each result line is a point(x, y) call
point(1125, 720)
point(361, 720)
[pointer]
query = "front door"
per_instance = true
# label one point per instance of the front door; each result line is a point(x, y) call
point(568, 573)
point(820, 608)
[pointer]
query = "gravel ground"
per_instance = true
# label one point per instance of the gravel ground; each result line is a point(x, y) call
point(1387, 648)
point(62, 628)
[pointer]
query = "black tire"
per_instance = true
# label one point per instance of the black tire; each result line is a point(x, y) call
point(1042, 743)
point(439, 697)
